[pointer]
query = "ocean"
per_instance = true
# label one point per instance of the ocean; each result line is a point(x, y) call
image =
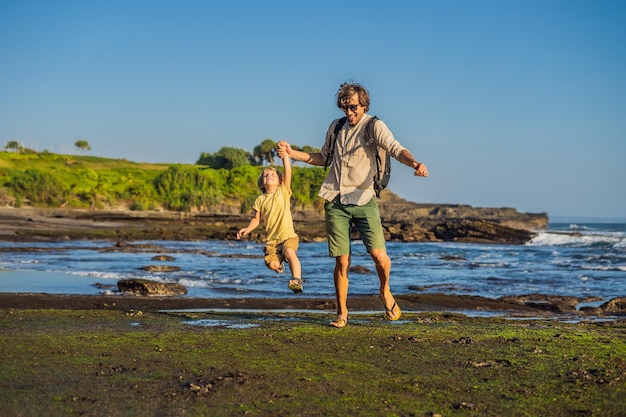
point(574, 259)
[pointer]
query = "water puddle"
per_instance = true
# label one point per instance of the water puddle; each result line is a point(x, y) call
point(220, 323)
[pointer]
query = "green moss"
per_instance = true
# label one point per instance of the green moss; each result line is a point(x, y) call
point(61, 362)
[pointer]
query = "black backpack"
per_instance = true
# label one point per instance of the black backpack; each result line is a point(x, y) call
point(383, 161)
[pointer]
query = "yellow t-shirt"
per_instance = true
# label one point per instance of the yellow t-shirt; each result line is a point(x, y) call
point(275, 211)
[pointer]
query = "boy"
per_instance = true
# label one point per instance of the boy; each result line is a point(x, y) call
point(273, 206)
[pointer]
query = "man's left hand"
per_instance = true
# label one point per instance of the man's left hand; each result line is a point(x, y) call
point(420, 169)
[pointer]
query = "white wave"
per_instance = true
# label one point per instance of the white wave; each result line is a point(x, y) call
point(98, 274)
point(194, 283)
point(577, 239)
point(21, 261)
point(207, 283)
point(489, 265)
point(621, 268)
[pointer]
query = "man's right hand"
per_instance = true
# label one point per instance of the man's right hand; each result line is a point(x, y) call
point(283, 149)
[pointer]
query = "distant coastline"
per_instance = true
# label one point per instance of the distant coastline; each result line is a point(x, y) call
point(585, 219)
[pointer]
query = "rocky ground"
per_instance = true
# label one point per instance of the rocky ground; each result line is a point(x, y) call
point(538, 306)
point(402, 220)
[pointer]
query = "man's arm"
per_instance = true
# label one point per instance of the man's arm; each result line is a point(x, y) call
point(407, 159)
point(313, 158)
point(385, 139)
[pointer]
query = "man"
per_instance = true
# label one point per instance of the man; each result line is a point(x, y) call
point(349, 193)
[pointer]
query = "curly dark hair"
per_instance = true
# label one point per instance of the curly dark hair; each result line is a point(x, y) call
point(347, 90)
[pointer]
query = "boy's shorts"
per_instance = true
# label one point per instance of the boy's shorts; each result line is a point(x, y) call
point(277, 252)
point(339, 219)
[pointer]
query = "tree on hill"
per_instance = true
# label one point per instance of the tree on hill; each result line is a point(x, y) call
point(82, 145)
point(226, 157)
point(266, 151)
point(12, 145)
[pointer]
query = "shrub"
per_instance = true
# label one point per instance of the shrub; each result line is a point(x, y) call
point(40, 188)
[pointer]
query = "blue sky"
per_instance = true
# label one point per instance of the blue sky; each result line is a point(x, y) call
point(509, 103)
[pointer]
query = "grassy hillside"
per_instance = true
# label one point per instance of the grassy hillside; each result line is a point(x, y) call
point(73, 181)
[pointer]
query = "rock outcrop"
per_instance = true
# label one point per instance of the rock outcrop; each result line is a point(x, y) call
point(403, 221)
point(160, 268)
point(616, 307)
point(394, 208)
point(147, 287)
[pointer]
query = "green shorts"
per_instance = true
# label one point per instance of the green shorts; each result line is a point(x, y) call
point(339, 220)
point(277, 252)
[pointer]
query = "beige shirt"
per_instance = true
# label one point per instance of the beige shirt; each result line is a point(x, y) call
point(275, 211)
point(353, 164)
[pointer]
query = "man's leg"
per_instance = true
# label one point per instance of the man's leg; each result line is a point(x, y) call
point(367, 220)
point(342, 264)
point(383, 269)
point(338, 233)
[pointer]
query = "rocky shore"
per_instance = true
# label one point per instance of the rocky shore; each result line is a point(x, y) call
point(403, 221)
point(535, 305)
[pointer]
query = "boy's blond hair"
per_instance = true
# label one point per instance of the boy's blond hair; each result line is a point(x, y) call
point(259, 181)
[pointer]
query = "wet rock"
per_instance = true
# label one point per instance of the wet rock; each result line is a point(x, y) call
point(160, 268)
point(480, 231)
point(554, 303)
point(102, 286)
point(452, 258)
point(616, 306)
point(163, 258)
point(148, 287)
point(359, 269)
point(408, 232)
point(123, 246)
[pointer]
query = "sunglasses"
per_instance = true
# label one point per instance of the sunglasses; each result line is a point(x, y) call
point(351, 107)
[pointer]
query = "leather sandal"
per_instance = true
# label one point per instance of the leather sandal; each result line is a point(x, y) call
point(390, 312)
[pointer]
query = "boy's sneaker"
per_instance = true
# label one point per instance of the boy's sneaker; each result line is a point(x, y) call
point(295, 285)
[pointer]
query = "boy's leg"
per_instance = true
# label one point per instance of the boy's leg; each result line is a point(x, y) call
point(273, 259)
point(290, 253)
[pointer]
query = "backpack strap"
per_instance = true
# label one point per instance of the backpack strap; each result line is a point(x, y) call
point(333, 139)
point(383, 169)
point(371, 141)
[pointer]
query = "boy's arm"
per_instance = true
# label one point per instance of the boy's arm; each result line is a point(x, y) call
point(287, 174)
point(254, 222)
